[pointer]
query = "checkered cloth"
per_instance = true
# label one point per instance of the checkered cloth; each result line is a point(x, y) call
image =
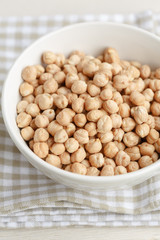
point(27, 197)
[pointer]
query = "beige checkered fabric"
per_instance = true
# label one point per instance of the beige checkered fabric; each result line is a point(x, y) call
point(27, 197)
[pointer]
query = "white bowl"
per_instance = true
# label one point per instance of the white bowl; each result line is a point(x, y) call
point(131, 43)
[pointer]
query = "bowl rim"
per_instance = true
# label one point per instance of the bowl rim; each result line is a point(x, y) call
point(28, 152)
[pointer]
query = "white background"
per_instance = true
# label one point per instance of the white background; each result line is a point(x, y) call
point(51, 7)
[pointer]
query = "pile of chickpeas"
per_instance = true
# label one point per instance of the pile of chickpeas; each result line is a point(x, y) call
point(95, 116)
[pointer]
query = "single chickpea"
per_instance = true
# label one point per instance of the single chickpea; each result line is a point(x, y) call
point(120, 81)
point(146, 149)
point(95, 115)
point(118, 134)
point(109, 161)
point(50, 141)
point(44, 77)
point(145, 71)
point(106, 94)
point(29, 73)
point(132, 166)
point(84, 96)
point(23, 119)
point(157, 123)
point(53, 127)
point(63, 118)
point(124, 110)
point(61, 101)
point(145, 161)
point(137, 98)
point(27, 133)
point(21, 106)
point(65, 158)
point(111, 55)
point(100, 79)
point(116, 120)
point(117, 97)
point(48, 57)
point(38, 90)
point(110, 150)
point(136, 64)
point(71, 145)
point(146, 82)
point(91, 103)
point(154, 85)
point(142, 130)
point(70, 129)
point(148, 94)
point(92, 89)
point(30, 98)
point(90, 127)
point(40, 149)
point(32, 109)
point(157, 145)
point(40, 69)
point(74, 59)
point(32, 124)
point(81, 136)
point(155, 108)
point(68, 168)
point(49, 113)
point(83, 77)
point(68, 68)
point(79, 168)
point(70, 79)
point(140, 114)
point(63, 90)
point(93, 146)
point(131, 139)
point(79, 155)
point(128, 124)
point(60, 136)
point(90, 68)
point(35, 83)
point(79, 87)
point(80, 120)
point(54, 160)
point(57, 148)
point(78, 105)
point(152, 136)
point(77, 52)
point(155, 156)
point(147, 105)
point(59, 77)
point(122, 159)
point(60, 59)
point(41, 135)
point(104, 124)
point(116, 68)
point(105, 137)
point(110, 106)
point(120, 170)
point(151, 121)
point(71, 97)
point(31, 142)
point(107, 170)
point(157, 96)
point(133, 152)
point(120, 145)
point(86, 163)
point(45, 101)
point(52, 68)
point(92, 171)
point(41, 121)
point(25, 89)
point(50, 86)
point(96, 160)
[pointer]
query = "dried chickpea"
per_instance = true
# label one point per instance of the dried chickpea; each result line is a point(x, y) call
point(57, 148)
point(155, 156)
point(92, 89)
point(45, 101)
point(68, 168)
point(118, 134)
point(48, 57)
point(31, 142)
point(40, 149)
point(122, 159)
point(151, 121)
point(105, 137)
point(146, 149)
point(32, 124)
point(78, 105)
point(38, 90)
point(157, 73)
point(157, 145)
point(63, 90)
point(109, 161)
point(52, 68)
point(44, 77)
point(70, 79)
point(84, 96)
point(136, 64)
point(74, 59)
point(104, 124)
point(29, 73)
point(71, 145)
point(155, 108)
point(90, 68)
point(30, 98)
point(140, 114)
point(152, 136)
point(21, 106)
point(116, 120)
point(41, 121)
point(110, 150)
point(92, 171)
point(63, 117)
point(93, 146)
point(148, 94)
point(154, 85)
point(79, 155)
point(145, 71)
point(41, 135)
point(59, 77)
point(50, 86)
point(120, 81)
point(145, 161)
point(65, 158)
point(61, 101)
point(110, 106)
point(78, 168)
point(132, 166)
point(79, 87)
point(100, 79)
point(60, 136)
point(50, 141)
point(71, 97)
point(26, 89)
point(128, 124)
point(91, 103)
point(131, 139)
point(32, 109)
point(157, 123)
point(120, 145)
point(124, 110)
point(116, 68)
point(70, 129)
point(23, 119)
point(53, 127)
point(120, 170)
point(54, 160)
point(142, 130)
point(157, 96)
point(137, 98)
point(147, 105)
point(27, 133)
point(68, 68)
point(91, 129)
point(107, 170)
point(40, 69)
point(86, 163)
point(111, 55)
point(96, 160)
point(81, 136)
point(49, 113)
point(127, 100)
point(95, 115)
point(80, 120)
point(133, 152)
point(83, 77)
point(106, 94)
